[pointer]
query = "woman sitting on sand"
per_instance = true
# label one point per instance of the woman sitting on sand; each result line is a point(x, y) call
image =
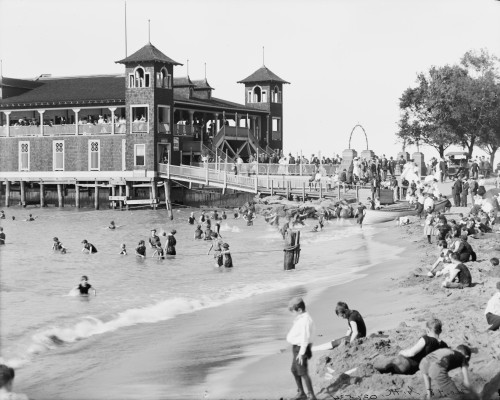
point(442, 228)
point(444, 256)
point(408, 360)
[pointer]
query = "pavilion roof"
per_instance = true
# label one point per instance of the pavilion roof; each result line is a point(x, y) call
point(148, 53)
point(263, 74)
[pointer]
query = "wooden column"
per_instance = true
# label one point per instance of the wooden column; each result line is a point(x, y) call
point(96, 198)
point(23, 193)
point(303, 191)
point(320, 190)
point(7, 193)
point(272, 187)
point(153, 194)
point(42, 195)
point(77, 195)
point(127, 192)
point(60, 197)
point(288, 190)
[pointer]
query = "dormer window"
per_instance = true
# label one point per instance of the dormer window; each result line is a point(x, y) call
point(139, 79)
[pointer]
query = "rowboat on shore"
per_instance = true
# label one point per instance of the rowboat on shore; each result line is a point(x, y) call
point(394, 211)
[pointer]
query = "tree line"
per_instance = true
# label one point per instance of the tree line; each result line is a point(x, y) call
point(454, 105)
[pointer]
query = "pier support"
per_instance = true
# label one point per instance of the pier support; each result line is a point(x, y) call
point(42, 195)
point(96, 197)
point(23, 193)
point(127, 192)
point(60, 196)
point(77, 195)
point(303, 192)
point(153, 194)
point(168, 204)
point(7, 193)
point(120, 193)
point(113, 193)
point(292, 250)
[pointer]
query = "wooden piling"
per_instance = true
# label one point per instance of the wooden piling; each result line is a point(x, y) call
point(60, 197)
point(113, 193)
point(120, 193)
point(357, 193)
point(303, 191)
point(153, 194)
point(127, 193)
point(96, 197)
point(42, 195)
point(292, 250)
point(23, 193)
point(7, 193)
point(168, 204)
point(272, 187)
point(288, 190)
point(77, 195)
point(320, 190)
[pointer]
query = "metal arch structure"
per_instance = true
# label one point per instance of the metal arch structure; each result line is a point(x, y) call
point(366, 137)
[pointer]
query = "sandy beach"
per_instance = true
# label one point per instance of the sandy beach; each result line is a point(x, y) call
point(395, 299)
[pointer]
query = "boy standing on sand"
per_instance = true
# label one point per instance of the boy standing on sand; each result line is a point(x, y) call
point(300, 338)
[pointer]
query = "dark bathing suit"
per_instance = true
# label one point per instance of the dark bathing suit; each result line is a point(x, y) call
point(2, 238)
point(141, 250)
point(171, 242)
point(90, 247)
point(84, 289)
point(191, 220)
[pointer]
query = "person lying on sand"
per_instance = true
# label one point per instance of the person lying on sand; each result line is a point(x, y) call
point(356, 330)
point(408, 360)
point(435, 368)
point(492, 311)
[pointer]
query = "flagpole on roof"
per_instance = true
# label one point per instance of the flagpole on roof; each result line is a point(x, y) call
point(125, 29)
point(149, 31)
point(263, 54)
point(205, 71)
point(187, 67)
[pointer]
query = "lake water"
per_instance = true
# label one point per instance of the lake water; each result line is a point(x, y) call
point(157, 328)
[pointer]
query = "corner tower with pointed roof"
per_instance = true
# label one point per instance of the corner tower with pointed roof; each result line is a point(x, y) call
point(264, 91)
point(149, 101)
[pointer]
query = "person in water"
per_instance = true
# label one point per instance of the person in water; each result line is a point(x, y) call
point(140, 250)
point(57, 246)
point(217, 227)
point(223, 215)
point(154, 240)
point(31, 218)
point(356, 327)
point(2, 214)
point(202, 217)
point(84, 287)
point(7, 375)
point(88, 247)
point(123, 250)
point(315, 229)
point(112, 225)
point(217, 246)
point(228, 260)
point(208, 233)
point(198, 233)
point(170, 244)
point(408, 360)
point(250, 217)
point(159, 252)
point(191, 219)
point(360, 214)
point(2, 236)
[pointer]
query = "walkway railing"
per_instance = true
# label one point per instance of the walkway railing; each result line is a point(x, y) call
point(271, 169)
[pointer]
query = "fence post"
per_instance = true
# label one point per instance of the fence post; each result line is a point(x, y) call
point(338, 191)
point(357, 193)
point(272, 187)
point(303, 192)
point(320, 190)
point(256, 184)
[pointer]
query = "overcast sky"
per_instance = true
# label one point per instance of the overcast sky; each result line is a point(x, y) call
point(348, 61)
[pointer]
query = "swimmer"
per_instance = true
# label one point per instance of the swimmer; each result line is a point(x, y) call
point(215, 216)
point(30, 218)
point(170, 244)
point(321, 222)
point(217, 227)
point(228, 260)
point(208, 233)
point(198, 233)
point(112, 225)
point(217, 246)
point(159, 252)
point(13, 218)
point(250, 217)
point(154, 240)
point(223, 215)
point(84, 287)
point(57, 246)
point(89, 247)
point(7, 375)
point(236, 215)
point(123, 250)
point(2, 214)
point(191, 219)
point(2, 236)
point(140, 250)
point(202, 217)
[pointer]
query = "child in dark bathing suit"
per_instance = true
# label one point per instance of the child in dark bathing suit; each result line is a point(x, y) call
point(228, 260)
point(140, 250)
point(123, 250)
point(84, 287)
point(112, 225)
point(198, 233)
point(57, 246)
point(2, 236)
point(159, 252)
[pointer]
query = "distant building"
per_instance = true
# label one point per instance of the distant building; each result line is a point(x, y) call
point(120, 127)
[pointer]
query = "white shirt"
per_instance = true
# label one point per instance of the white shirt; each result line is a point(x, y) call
point(493, 305)
point(428, 203)
point(301, 332)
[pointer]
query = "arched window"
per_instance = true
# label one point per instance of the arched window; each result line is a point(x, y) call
point(276, 95)
point(139, 77)
point(257, 94)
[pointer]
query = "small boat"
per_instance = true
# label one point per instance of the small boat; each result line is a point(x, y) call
point(394, 211)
